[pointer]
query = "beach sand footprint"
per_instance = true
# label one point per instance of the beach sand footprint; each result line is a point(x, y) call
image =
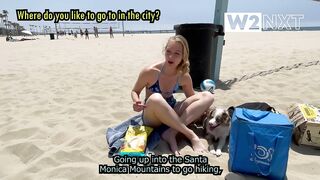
point(96, 98)
point(93, 121)
point(117, 104)
point(41, 112)
point(68, 172)
point(44, 163)
point(73, 156)
point(60, 100)
point(19, 134)
point(26, 152)
point(120, 116)
point(59, 138)
point(9, 77)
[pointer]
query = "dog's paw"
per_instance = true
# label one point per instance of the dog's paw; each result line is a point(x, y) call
point(212, 151)
point(218, 152)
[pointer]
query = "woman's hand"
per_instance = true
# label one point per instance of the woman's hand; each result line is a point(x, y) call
point(138, 106)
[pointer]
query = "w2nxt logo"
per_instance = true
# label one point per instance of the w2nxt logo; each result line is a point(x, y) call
point(256, 22)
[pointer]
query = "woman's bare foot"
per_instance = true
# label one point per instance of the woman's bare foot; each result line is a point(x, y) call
point(197, 145)
point(170, 137)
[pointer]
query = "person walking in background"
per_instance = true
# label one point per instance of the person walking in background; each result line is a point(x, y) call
point(96, 34)
point(86, 34)
point(81, 33)
point(111, 32)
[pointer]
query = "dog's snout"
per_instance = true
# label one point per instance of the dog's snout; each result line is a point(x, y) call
point(213, 123)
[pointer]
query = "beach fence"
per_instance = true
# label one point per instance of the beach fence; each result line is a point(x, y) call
point(75, 27)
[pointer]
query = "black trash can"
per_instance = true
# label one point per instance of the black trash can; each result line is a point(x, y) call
point(51, 36)
point(200, 38)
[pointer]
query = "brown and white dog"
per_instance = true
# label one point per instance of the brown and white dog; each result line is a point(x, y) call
point(216, 124)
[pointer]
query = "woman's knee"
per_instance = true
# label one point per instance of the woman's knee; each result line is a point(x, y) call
point(155, 98)
point(208, 96)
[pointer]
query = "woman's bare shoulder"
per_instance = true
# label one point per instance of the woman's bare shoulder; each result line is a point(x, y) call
point(152, 69)
point(185, 79)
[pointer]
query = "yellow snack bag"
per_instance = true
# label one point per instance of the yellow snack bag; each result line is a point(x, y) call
point(135, 140)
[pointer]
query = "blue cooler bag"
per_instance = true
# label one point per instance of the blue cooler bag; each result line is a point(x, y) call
point(259, 143)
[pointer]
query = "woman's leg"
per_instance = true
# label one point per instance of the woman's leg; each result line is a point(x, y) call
point(158, 111)
point(189, 110)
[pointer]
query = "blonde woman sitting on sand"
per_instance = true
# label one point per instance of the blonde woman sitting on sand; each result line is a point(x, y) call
point(163, 79)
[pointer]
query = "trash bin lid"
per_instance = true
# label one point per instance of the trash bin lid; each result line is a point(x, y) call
point(201, 26)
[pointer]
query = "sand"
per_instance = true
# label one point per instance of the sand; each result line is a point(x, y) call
point(58, 97)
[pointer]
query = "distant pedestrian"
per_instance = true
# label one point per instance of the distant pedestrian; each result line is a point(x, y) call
point(86, 34)
point(111, 32)
point(96, 34)
point(97, 31)
point(81, 33)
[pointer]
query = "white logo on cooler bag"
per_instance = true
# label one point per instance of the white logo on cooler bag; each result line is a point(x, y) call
point(262, 155)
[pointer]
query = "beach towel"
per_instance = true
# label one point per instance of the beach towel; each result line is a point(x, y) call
point(115, 134)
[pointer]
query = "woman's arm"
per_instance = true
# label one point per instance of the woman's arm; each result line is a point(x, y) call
point(187, 86)
point(141, 82)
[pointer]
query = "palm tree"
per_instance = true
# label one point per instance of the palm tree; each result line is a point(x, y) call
point(5, 15)
point(1, 17)
point(10, 27)
point(15, 28)
point(1, 23)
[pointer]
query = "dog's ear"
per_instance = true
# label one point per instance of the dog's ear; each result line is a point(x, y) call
point(204, 122)
point(226, 118)
point(207, 113)
point(211, 112)
point(231, 110)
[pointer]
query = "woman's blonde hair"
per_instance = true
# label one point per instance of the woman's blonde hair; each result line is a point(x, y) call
point(183, 67)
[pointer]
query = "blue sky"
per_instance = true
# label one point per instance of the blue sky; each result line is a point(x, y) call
point(172, 11)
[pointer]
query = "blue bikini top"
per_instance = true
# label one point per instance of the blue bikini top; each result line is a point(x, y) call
point(155, 88)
